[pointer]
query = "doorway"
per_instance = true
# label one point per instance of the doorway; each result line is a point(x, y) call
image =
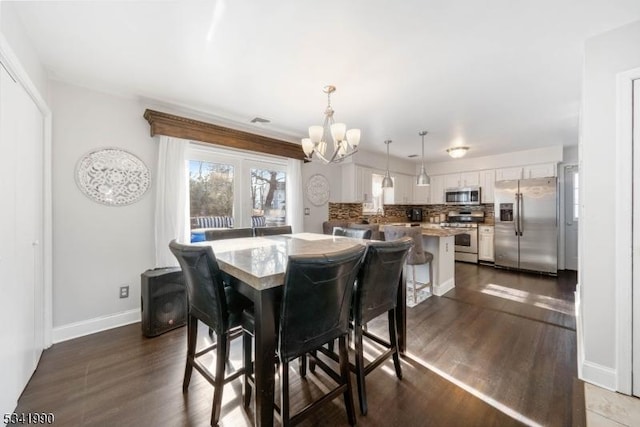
point(571, 216)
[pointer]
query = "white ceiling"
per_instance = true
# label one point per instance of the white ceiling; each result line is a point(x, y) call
point(496, 75)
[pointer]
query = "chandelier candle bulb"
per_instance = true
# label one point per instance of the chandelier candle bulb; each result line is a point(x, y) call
point(353, 137)
point(338, 130)
point(315, 133)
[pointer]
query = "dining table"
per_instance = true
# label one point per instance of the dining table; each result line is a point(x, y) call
point(255, 267)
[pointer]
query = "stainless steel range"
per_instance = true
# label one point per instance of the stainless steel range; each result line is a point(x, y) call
point(466, 244)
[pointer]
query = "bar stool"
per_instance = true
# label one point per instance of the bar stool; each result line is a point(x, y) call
point(417, 256)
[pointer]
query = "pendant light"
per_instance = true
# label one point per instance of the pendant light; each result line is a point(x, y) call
point(423, 179)
point(387, 182)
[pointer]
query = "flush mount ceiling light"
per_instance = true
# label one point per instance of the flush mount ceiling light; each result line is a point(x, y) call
point(387, 182)
point(423, 179)
point(345, 142)
point(457, 152)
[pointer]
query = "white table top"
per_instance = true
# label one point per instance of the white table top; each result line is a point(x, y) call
point(262, 261)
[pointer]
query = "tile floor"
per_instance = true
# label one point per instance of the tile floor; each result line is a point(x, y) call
point(607, 408)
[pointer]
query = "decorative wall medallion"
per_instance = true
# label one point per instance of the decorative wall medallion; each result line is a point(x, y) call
point(112, 177)
point(318, 189)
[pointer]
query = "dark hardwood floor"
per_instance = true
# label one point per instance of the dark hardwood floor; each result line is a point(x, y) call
point(498, 350)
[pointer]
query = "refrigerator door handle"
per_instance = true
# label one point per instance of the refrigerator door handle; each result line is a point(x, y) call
point(515, 220)
point(520, 214)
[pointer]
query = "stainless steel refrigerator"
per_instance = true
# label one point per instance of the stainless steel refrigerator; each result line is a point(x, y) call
point(526, 224)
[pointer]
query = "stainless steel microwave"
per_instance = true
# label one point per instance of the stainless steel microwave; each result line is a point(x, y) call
point(462, 196)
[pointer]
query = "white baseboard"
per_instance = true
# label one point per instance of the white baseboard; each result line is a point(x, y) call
point(97, 324)
point(443, 288)
point(599, 375)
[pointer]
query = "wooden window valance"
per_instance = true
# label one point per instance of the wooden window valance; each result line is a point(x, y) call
point(182, 127)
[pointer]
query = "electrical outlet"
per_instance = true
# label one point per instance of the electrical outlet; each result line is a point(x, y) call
point(124, 291)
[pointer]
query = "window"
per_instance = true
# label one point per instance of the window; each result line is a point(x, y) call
point(381, 196)
point(227, 188)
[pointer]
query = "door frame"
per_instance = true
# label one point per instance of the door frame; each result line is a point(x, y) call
point(622, 224)
point(562, 182)
point(14, 67)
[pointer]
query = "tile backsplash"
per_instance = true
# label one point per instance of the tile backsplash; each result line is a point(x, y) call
point(398, 213)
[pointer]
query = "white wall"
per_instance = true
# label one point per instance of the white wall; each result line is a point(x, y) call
point(517, 158)
point(11, 28)
point(333, 172)
point(379, 161)
point(319, 214)
point(97, 248)
point(605, 56)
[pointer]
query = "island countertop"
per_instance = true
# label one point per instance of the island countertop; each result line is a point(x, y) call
point(431, 230)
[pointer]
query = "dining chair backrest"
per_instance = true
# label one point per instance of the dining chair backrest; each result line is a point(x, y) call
point(230, 233)
point(417, 254)
point(375, 229)
point(316, 300)
point(377, 285)
point(328, 226)
point(205, 288)
point(272, 231)
point(352, 232)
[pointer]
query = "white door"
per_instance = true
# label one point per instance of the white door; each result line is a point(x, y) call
point(635, 304)
point(21, 234)
point(571, 184)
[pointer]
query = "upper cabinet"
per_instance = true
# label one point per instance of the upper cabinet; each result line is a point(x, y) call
point(487, 182)
point(422, 194)
point(506, 174)
point(523, 172)
point(437, 189)
point(364, 176)
point(466, 179)
point(402, 188)
point(539, 171)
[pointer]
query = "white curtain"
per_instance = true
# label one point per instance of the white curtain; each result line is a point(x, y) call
point(294, 195)
point(172, 186)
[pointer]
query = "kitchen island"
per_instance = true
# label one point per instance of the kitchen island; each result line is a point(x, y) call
point(439, 241)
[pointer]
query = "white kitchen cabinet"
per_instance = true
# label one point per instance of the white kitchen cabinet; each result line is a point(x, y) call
point(466, 179)
point(487, 184)
point(506, 174)
point(402, 189)
point(365, 175)
point(356, 184)
point(485, 243)
point(542, 170)
point(539, 171)
point(437, 189)
point(421, 194)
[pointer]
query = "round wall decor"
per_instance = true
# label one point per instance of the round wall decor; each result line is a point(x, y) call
point(112, 176)
point(318, 189)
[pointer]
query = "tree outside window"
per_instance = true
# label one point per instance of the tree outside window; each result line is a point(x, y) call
point(268, 195)
point(210, 189)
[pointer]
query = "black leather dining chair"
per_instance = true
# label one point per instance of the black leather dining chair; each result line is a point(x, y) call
point(376, 293)
point(222, 309)
point(315, 311)
point(356, 233)
point(228, 233)
point(272, 231)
